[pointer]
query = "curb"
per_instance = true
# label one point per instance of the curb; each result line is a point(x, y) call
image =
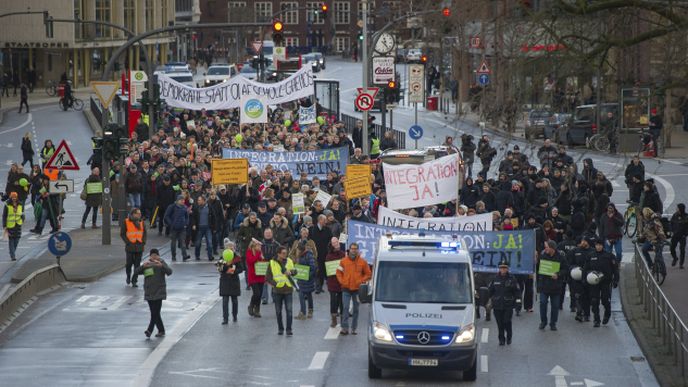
point(92, 122)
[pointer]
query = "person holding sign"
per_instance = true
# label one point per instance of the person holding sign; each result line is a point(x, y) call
point(256, 275)
point(280, 275)
point(353, 271)
point(154, 271)
point(604, 262)
point(504, 293)
point(551, 267)
point(305, 274)
point(230, 267)
point(334, 255)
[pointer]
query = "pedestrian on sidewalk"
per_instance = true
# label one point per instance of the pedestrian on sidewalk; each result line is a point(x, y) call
point(27, 150)
point(504, 292)
point(679, 230)
point(353, 271)
point(255, 281)
point(5, 85)
point(333, 287)
point(23, 97)
point(93, 194)
point(176, 219)
point(133, 232)
point(12, 219)
point(230, 267)
point(154, 271)
point(279, 275)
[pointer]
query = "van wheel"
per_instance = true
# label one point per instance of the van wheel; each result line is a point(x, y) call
point(471, 374)
point(373, 371)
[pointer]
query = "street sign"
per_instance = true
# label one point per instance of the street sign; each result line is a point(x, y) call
point(105, 91)
point(59, 244)
point(383, 69)
point(415, 132)
point(63, 159)
point(257, 46)
point(416, 77)
point(483, 69)
point(61, 186)
point(366, 98)
point(475, 42)
point(483, 79)
point(229, 171)
point(279, 53)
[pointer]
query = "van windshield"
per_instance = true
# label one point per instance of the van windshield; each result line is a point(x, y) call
point(423, 282)
point(585, 114)
point(218, 71)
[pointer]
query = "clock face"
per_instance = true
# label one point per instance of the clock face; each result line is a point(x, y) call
point(385, 44)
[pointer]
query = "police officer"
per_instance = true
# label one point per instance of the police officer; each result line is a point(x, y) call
point(504, 292)
point(605, 263)
point(565, 247)
point(578, 258)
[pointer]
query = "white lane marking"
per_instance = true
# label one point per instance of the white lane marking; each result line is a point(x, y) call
point(147, 369)
point(28, 120)
point(483, 363)
point(670, 192)
point(674, 174)
point(576, 383)
point(120, 301)
point(318, 361)
point(670, 161)
point(333, 333)
point(485, 335)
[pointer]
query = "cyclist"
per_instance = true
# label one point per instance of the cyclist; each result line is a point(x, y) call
point(653, 236)
point(68, 98)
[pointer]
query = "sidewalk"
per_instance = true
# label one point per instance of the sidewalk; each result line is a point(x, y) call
point(37, 98)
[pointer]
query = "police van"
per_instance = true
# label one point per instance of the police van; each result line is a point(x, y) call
point(422, 313)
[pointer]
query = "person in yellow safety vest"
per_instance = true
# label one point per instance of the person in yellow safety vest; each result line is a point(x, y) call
point(93, 197)
point(47, 152)
point(133, 233)
point(279, 275)
point(12, 219)
point(374, 146)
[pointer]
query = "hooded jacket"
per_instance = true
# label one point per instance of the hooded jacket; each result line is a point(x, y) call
point(177, 217)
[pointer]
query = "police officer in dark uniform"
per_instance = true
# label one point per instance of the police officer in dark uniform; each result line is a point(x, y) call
point(605, 263)
point(504, 292)
point(565, 247)
point(578, 257)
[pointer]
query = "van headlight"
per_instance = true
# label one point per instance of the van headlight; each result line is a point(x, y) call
point(466, 335)
point(381, 333)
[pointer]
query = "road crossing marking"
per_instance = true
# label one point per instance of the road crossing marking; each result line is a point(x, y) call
point(484, 336)
point(483, 363)
point(318, 361)
point(333, 333)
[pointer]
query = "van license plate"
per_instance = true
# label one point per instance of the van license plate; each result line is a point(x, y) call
point(424, 362)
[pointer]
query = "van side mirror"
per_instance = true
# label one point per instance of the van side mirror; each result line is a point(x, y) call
point(365, 294)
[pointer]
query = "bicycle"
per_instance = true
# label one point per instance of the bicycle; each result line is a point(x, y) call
point(599, 142)
point(51, 89)
point(76, 104)
point(631, 219)
point(658, 267)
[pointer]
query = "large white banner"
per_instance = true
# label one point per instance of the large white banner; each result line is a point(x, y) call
point(481, 222)
point(227, 95)
point(410, 186)
point(253, 110)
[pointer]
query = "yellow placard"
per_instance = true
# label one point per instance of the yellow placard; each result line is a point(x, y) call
point(357, 187)
point(358, 170)
point(229, 171)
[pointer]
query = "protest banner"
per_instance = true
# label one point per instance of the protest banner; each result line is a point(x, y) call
point(302, 272)
point(298, 204)
point(261, 268)
point(315, 163)
point(480, 222)
point(324, 197)
point(229, 171)
point(228, 95)
point(331, 267)
point(486, 248)
point(410, 186)
point(307, 115)
point(357, 187)
point(548, 268)
point(254, 110)
point(357, 170)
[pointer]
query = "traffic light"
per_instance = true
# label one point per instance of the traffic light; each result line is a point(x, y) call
point(424, 59)
point(392, 92)
point(110, 148)
point(277, 32)
point(323, 11)
point(360, 35)
point(446, 12)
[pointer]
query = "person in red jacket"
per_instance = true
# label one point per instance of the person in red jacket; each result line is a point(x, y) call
point(253, 256)
point(333, 287)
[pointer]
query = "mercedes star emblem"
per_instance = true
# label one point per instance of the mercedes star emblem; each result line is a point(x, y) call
point(423, 337)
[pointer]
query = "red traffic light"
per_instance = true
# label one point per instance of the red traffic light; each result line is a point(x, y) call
point(424, 58)
point(391, 84)
point(446, 12)
point(277, 26)
point(324, 8)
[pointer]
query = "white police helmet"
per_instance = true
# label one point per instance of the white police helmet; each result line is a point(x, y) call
point(594, 277)
point(576, 273)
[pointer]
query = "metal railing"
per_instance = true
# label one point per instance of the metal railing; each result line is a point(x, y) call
point(350, 124)
point(96, 109)
point(665, 321)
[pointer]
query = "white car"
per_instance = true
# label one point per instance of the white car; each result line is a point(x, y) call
point(414, 55)
point(249, 72)
point(218, 74)
point(183, 77)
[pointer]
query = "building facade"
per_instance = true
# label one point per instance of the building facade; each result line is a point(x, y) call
point(80, 50)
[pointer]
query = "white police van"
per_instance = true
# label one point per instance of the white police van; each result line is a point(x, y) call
point(422, 313)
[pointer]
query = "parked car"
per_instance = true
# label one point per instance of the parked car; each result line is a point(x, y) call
point(310, 60)
point(556, 127)
point(584, 122)
point(414, 55)
point(536, 122)
point(183, 77)
point(321, 59)
point(218, 74)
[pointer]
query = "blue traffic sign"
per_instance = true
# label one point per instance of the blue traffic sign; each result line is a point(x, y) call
point(415, 132)
point(59, 244)
point(484, 79)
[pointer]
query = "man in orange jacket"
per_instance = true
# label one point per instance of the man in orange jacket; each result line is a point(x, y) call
point(353, 270)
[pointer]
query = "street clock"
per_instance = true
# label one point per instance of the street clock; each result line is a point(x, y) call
point(385, 44)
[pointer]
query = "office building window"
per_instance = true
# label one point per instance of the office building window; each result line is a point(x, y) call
point(237, 11)
point(313, 14)
point(130, 14)
point(78, 28)
point(342, 12)
point(290, 17)
point(263, 11)
point(371, 11)
point(291, 41)
point(164, 15)
point(150, 15)
point(103, 13)
point(341, 43)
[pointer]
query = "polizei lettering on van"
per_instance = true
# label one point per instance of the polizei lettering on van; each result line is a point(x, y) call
point(424, 315)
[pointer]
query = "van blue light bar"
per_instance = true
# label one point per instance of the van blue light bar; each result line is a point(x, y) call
point(453, 245)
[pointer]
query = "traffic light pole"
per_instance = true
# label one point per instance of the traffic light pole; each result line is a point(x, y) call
point(364, 60)
point(107, 196)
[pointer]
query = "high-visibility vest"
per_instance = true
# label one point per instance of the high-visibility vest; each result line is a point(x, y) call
point(14, 217)
point(375, 148)
point(47, 153)
point(134, 234)
point(51, 173)
point(281, 280)
point(94, 187)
